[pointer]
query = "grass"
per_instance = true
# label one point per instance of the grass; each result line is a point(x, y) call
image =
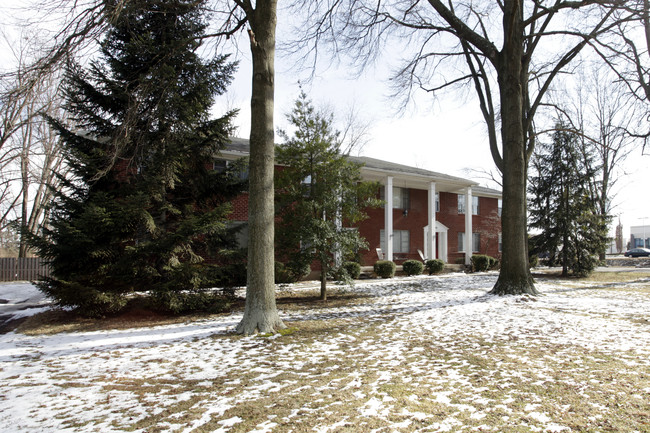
point(348, 374)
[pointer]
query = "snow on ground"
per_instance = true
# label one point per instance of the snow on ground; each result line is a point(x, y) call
point(20, 300)
point(411, 354)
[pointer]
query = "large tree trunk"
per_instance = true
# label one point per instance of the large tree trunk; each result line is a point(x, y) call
point(323, 281)
point(515, 277)
point(261, 313)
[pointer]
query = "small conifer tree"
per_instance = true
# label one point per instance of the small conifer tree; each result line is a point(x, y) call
point(319, 194)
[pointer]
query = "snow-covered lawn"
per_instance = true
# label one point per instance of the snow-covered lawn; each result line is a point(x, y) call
point(430, 354)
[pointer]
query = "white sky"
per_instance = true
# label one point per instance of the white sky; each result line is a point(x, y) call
point(447, 135)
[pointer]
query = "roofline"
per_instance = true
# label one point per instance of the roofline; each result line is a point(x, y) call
point(239, 148)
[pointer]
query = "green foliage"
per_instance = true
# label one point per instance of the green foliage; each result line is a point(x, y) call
point(385, 268)
point(412, 267)
point(317, 192)
point(143, 209)
point(564, 204)
point(188, 302)
point(353, 269)
point(290, 273)
point(480, 263)
point(88, 300)
point(533, 260)
point(434, 266)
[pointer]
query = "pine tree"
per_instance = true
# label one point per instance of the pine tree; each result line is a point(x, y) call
point(562, 207)
point(319, 191)
point(144, 208)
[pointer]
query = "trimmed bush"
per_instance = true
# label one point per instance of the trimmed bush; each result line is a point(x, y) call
point(533, 261)
point(412, 267)
point(434, 266)
point(480, 263)
point(483, 263)
point(353, 269)
point(385, 269)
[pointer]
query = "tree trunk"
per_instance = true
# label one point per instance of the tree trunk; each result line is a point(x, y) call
point(323, 281)
point(24, 173)
point(515, 277)
point(261, 313)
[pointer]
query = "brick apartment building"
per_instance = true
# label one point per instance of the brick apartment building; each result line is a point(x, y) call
point(416, 200)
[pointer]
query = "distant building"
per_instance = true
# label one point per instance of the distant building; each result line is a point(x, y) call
point(639, 237)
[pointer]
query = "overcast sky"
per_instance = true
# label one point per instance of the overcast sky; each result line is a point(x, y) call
point(446, 135)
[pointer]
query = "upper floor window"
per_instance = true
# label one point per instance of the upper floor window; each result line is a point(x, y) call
point(437, 202)
point(221, 165)
point(400, 197)
point(500, 207)
point(461, 204)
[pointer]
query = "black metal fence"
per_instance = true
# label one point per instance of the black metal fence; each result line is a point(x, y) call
point(22, 269)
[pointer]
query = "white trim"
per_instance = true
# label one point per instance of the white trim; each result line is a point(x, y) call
point(430, 239)
point(468, 226)
point(388, 217)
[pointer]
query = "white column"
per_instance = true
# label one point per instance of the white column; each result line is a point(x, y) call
point(339, 227)
point(468, 226)
point(431, 238)
point(388, 218)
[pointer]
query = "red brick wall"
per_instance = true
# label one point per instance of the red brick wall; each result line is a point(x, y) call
point(486, 223)
point(240, 208)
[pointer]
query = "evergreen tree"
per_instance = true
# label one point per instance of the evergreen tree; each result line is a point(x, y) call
point(144, 208)
point(562, 207)
point(318, 193)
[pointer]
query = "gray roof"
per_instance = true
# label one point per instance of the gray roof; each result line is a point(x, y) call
point(405, 169)
point(377, 167)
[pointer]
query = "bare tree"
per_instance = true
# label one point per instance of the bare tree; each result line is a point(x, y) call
point(32, 161)
point(456, 43)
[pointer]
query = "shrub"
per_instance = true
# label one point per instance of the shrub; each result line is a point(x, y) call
point(412, 267)
point(187, 302)
point(434, 266)
point(290, 273)
point(480, 263)
point(87, 301)
point(533, 261)
point(353, 269)
point(385, 269)
point(494, 262)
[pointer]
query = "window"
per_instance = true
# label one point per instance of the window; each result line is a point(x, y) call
point(476, 242)
point(500, 242)
point(461, 204)
point(241, 235)
point(401, 241)
point(221, 165)
point(500, 207)
point(400, 197)
point(437, 202)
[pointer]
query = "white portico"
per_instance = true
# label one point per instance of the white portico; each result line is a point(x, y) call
point(396, 179)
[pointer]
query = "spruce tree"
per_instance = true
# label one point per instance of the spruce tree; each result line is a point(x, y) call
point(572, 230)
point(144, 208)
point(319, 192)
